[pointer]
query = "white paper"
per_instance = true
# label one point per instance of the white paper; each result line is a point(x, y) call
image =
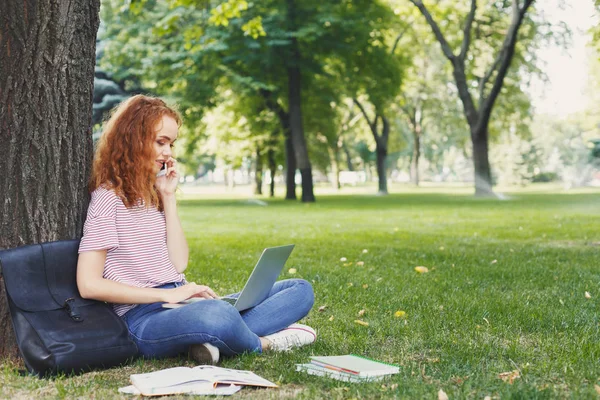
point(221, 390)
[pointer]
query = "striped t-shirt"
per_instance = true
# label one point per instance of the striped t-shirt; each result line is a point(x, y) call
point(135, 239)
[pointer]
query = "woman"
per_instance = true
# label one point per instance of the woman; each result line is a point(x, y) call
point(133, 252)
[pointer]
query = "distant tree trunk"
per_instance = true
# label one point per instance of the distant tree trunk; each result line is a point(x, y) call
point(290, 170)
point(414, 162)
point(295, 111)
point(290, 157)
point(415, 118)
point(381, 145)
point(381, 151)
point(47, 57)
point(258, 172)
point(334, 156)
point(272, 170)
point(348, 157)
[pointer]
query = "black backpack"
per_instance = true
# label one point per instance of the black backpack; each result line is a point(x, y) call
point(56, 329)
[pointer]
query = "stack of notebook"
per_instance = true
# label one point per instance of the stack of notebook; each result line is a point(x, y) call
point(349, 368)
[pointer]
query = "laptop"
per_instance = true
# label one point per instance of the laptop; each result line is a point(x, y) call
point(260, 282)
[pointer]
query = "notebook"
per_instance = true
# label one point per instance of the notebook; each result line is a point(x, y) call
point(196, 380)
point(353, 365)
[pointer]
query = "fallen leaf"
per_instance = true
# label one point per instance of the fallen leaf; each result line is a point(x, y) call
point(393, 386)
point(322, 308)
point(360, 263)
point(597, 388)
point(343, 259)
point(509, 377)
point(494, 261)
point(400, 314)
point(365, 286)
point(421, 269)
point(331, 318)
point(365, 251)
point(487, 398)
point(442, 395)
point(361, 322)
point(588, 295)
point(361, 313)
point(292, 271)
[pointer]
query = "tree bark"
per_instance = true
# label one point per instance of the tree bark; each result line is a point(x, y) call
point(47, 57)
point(483, 172)
point(258, 172)
point(381, 142)
point(290, 158)
point(416, 119)
point(348, 157)
point(414, 162)
point(290, 170)
point(334, 156)
point(381, 151)
point(273, 171)
point(295, 112)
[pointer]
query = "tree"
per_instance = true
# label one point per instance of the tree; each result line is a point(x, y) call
point(47, 56)
point(371, 71)
point(489, 84)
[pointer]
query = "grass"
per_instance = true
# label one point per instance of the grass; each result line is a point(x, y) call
point(505, 292)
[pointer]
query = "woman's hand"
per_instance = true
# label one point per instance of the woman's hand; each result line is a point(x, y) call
point(188, 291)
point(166, 184)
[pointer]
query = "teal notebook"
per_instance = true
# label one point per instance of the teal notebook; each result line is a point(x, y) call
point(355, 365)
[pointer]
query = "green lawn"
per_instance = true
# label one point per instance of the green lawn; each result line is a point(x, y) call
point(505, 292)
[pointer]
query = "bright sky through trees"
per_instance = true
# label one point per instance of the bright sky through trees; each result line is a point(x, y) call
point(567, 69)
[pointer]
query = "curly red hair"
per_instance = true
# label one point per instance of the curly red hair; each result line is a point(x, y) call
point(124, 157)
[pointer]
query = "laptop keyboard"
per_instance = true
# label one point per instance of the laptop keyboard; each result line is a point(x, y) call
point(229, 300)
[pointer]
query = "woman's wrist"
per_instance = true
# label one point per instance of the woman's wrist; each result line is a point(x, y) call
point(168, 198)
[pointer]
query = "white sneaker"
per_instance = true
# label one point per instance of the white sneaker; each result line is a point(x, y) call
point(204, 353)
point(295, 335)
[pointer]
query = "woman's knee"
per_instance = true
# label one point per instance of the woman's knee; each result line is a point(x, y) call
point(221, 317)
point(305, 293)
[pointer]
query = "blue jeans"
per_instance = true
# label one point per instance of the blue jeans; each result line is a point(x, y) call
point(166, 332)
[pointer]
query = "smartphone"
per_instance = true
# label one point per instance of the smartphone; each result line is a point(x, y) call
point(163, 170)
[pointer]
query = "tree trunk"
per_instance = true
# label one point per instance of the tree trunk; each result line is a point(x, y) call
point(334, 158)
point(258, 172)
point(290, 171)
point(381, 170)
point(290, 158)
point(482, 173)
point(381, 152)
point(417, 132)
point(295, 112)
point(47, 57)
point(348, 157)
point(297, 134)
point(336, 168)
point(273, 171)
point(414, 162)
